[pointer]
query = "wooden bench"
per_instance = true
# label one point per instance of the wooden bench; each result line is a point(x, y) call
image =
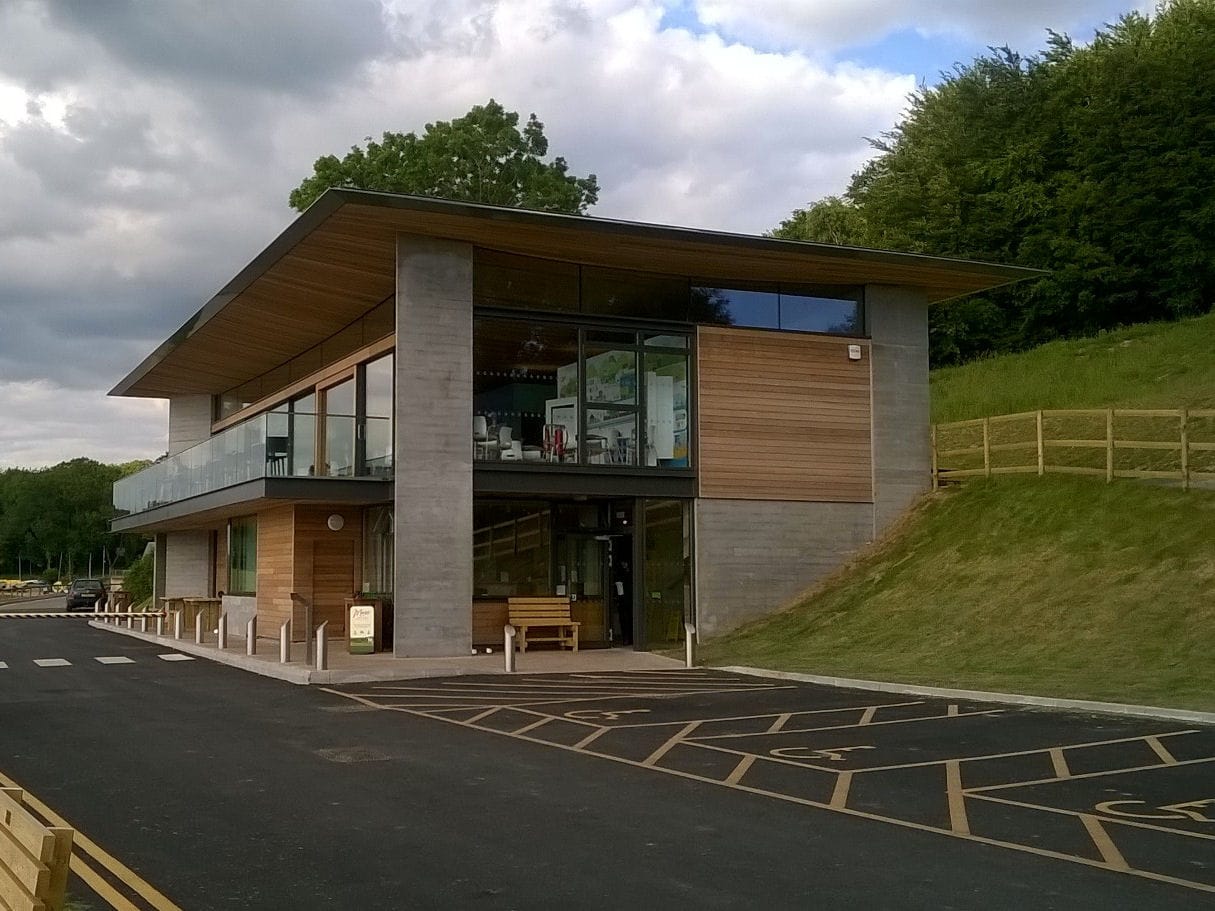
point(550, 613)
point(33, 858)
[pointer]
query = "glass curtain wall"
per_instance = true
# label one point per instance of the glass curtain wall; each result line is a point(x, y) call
point(302, 443)
point(339, 430)
point(512, 549)
point(551, 394)
point(667, 588)
point(376, 421)
point(242, 556)
point(378, 554)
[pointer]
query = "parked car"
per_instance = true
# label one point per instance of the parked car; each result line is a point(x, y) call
point(85, 593)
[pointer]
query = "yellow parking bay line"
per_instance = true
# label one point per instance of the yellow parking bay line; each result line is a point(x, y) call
point(121, 871)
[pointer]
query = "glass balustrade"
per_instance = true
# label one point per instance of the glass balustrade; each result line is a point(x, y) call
point(264, 446)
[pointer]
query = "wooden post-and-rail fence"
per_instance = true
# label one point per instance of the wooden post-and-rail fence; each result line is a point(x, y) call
point(1164, 444)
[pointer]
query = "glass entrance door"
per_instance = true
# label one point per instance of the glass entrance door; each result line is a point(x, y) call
point(581, 574)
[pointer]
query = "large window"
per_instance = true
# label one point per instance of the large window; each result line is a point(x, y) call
point(829, 308)
point(555, 394)
point(512, 549)
point(378, 553)
point(242, 556)
point(375, 422)
point(503, 280)
point(339, 429)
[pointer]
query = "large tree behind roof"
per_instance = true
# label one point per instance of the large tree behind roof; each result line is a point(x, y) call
point(1095, 162)
point(480, 157)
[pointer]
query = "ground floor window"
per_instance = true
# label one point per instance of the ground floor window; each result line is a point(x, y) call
point(624, 563)
point(668, 577)
point(242, 555)
point(378, 563)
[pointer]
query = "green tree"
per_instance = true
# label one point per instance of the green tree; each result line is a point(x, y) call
point(1096, 163)
point(56, 518)
point(480, 157)
point(827, 221)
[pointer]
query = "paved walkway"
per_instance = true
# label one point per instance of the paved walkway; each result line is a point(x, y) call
point(347, 668)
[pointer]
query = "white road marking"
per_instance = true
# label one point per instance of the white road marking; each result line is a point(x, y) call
point(117, 659)
point(175, 656)
point(3, 666)
point(52, 662)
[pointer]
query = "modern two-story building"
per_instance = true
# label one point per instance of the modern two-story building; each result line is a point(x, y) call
point(448, 405)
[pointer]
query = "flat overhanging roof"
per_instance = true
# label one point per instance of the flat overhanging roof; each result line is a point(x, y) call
point(338, 260)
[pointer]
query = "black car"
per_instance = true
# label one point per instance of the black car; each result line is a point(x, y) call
point(85, 593)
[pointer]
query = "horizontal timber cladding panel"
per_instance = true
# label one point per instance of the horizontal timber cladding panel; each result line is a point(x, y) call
point(783, 416)
point(488, 620)
point(275, 568)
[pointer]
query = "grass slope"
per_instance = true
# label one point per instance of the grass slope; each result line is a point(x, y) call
point(1155, 365)
point(1053, 586)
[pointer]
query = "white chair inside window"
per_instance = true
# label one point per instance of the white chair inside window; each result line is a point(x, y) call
point(483, 446)
point(512, 450)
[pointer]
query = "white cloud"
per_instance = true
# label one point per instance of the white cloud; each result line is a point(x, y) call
point(42, 423)
point(828, 25)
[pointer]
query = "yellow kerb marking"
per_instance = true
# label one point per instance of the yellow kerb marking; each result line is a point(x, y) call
point(1158, 748)
point(670, 744)
point(100, 886)
point(839, 797)
point(740, 770)
point(1059, 762)
point(1109, 852)
point(83, 843)
point(957, 801)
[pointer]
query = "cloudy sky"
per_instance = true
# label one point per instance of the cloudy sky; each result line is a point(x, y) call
point(147, 147)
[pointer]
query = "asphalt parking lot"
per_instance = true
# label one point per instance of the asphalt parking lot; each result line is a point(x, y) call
point(1129, 796)
point(198, 786)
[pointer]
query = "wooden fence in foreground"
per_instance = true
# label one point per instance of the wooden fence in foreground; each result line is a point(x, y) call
point(1174, 444)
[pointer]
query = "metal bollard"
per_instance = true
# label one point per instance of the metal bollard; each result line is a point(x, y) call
point(322, 647)
point(221, 635)
point(690, 644)
point(508, 647)
point(143, 623)
point(284, 642)
point(251, 637)
point(199, 632)
point(130, 620)
point(176, 624)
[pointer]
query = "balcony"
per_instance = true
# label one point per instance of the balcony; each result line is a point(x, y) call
point(267, 447)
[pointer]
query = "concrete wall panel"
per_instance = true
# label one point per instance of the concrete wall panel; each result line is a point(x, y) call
point(187, 564)
point(755, 556)
point(902, 449)
point(433, 585)
point(189, 421)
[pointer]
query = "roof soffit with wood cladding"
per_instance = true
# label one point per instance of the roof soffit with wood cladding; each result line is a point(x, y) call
point(338, 260)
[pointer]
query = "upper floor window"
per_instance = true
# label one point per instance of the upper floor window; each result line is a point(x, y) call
point(829, 308)
point(504, 280)
point(556, 394)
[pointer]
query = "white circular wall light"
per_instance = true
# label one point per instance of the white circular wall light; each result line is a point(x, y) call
point(335, 522)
